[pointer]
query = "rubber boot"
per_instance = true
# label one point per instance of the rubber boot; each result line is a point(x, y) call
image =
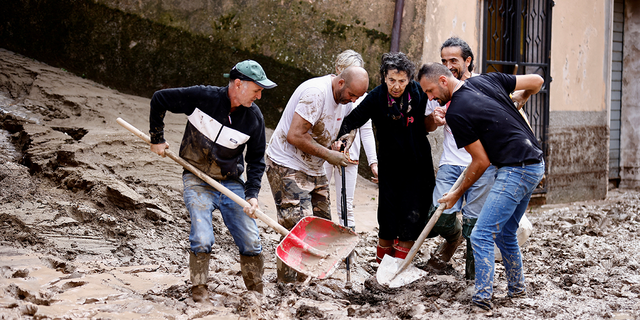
point(446, 249)
point(381, 251)
point(470, 266)
point(199, 271)
point(285, 273)
point(401, 252)
point(252, 268)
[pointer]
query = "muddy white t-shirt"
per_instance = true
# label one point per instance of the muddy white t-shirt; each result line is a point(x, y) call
point(313, 101)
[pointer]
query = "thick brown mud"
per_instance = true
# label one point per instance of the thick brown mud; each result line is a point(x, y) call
point(92, 226)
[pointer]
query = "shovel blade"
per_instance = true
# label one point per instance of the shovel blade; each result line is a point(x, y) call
point(316, 246)
point(388, 268)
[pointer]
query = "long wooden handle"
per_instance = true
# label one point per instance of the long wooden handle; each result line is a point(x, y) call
point(427, 229)
point(237, 199)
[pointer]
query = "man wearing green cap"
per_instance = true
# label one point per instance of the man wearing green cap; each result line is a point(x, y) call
point(222, 122)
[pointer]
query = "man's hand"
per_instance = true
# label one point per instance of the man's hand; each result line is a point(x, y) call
point(159, 148)
point(347, 139)
point(337, 158)
point(336, 145)
point(251, 210)
point(520, 98)
point(439, 114)
point(374, 170)
point(449, 199)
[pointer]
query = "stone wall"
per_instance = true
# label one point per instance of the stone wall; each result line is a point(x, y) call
point(139, 47)
point(130, 53)
point(303, 34)
point(630, 113)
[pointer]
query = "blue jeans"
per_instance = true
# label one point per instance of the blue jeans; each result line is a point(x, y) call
point(498, 223)
point(474, 196)
point(201, 200)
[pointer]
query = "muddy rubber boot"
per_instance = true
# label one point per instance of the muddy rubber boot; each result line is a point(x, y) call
point(199, 271)
point(401, 252)
point(469, 266)
point(381, 251)
point(252, 268)
point(446, 249)
point(285, 273)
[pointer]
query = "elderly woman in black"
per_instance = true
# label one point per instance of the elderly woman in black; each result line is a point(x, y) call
point(406, 178)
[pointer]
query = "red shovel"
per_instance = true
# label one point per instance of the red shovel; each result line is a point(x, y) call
point(315, 246)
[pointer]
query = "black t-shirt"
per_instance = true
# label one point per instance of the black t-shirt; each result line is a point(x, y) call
point(481, 109)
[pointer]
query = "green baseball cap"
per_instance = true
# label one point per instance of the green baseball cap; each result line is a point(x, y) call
point(250, 70)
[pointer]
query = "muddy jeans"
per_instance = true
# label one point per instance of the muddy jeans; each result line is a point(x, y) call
point(473, 198)
point(201, 200)
point(498, 222)
point(297, 195)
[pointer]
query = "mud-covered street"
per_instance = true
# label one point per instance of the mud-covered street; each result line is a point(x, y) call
point(93, 226)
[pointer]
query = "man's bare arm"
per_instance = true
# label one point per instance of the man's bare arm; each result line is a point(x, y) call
point(299, 137)
point(479, 163)
point(526, 85)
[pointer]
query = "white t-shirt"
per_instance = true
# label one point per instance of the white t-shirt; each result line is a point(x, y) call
point(313, 101)
point(364, 135)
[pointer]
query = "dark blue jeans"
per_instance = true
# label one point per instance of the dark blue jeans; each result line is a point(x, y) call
point(498, 223)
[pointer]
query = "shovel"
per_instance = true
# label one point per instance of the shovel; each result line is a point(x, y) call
point(390, 271)
point(315, 246)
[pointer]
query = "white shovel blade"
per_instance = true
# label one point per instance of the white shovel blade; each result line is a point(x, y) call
point(389, 266)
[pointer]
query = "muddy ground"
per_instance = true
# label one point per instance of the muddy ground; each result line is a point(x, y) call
point(92, 226)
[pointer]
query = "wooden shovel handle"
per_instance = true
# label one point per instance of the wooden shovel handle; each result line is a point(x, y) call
point(237, 199)
point(427, 229)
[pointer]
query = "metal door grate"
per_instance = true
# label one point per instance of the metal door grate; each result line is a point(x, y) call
point(517, 40)
point(616, 91)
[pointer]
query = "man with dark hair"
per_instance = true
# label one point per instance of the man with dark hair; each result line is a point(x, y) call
point(458, 57)
point(301, 143)
point(486, 123)
point(222, 122)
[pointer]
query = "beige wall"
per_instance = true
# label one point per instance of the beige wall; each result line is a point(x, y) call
point(578, 136)
point(578, 56)
point(445, 19)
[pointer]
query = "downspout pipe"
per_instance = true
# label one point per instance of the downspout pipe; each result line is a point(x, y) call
point(397, 25)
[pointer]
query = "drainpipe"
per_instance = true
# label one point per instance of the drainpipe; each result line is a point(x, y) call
point(397, 25)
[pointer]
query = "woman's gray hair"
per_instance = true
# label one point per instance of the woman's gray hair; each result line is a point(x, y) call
point(396, 61)
point(348, 58)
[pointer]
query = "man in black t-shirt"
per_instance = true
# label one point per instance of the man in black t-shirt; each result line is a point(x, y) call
point(485, 121)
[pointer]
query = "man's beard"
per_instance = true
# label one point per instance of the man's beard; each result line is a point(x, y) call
point(458, 74)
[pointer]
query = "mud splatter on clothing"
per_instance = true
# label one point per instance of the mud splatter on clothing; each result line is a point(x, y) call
point(297, 195)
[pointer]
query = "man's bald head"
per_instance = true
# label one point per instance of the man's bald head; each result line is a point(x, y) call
point(350, 84)
point(355, 77)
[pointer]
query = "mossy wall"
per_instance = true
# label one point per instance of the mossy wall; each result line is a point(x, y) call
point(130, 53)
point(142, 46)
point(306, 34)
